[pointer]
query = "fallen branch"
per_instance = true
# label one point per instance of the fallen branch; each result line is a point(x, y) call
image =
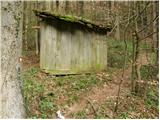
point(94, 110)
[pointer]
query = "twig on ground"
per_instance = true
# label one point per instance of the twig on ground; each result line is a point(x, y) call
point(94, 110)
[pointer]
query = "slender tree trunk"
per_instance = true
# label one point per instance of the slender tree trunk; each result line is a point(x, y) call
point(117, 23)
point(133, 76)
point(81, 4)
point(67, 7)
point(136, 76)
point(37, 30)
point(11, 101)
point(25, 22)
point(155, 29)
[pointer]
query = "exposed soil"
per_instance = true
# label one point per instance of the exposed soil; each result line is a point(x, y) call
point(100, 94)
point(29, 61)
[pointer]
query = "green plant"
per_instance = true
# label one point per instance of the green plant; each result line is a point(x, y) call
point(44, 115)
point(35, 117)
point(148, 72)
point(124, 115)
point(39, 88)
point(46, 105)
point(47, 108)
point(27, 92)
point(146, 46)
point(30, 88)
point(75, 97)
point(152, 98)
point(84, 82)
point(34, 70)
point(116, 52)
point(80, 115)
point(153, 58)
point(41, 93)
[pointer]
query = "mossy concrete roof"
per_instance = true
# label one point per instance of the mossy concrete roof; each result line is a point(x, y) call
point(72, 19)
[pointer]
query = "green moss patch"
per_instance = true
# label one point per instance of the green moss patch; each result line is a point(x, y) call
point(73, 19)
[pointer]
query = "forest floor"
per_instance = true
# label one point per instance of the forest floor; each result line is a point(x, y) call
point(83, 96)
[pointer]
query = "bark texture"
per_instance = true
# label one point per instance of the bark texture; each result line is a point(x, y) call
point(11, 101)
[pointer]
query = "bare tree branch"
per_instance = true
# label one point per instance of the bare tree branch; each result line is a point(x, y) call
point(148, 35)
point(130, 18)
point(156, 18)
point(124, 65)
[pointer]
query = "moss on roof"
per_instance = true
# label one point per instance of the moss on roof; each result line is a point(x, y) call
point(73, 19)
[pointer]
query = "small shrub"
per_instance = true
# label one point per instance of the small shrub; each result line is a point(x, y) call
point(44, 116)
point(148, 72)
point(34, 71)
point(39, 88)
point(81, 115)
point(46, 105)
point(47, 108)
point(152, 98)
point(116, 52)
point(124, 115)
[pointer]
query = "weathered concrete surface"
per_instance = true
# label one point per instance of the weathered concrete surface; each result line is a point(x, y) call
point(11, 101)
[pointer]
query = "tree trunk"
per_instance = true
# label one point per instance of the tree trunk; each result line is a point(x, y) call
point(25, 29)
point(11, 101)
point(136, 75)
point(155, 29)
point(117, 34)
point(67, 7)
point(81, 4)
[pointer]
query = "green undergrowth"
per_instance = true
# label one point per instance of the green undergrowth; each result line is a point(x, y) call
point(149, 72)
point(45, 94)
point(130, 107)
point(152, 98)
point(116, 52)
